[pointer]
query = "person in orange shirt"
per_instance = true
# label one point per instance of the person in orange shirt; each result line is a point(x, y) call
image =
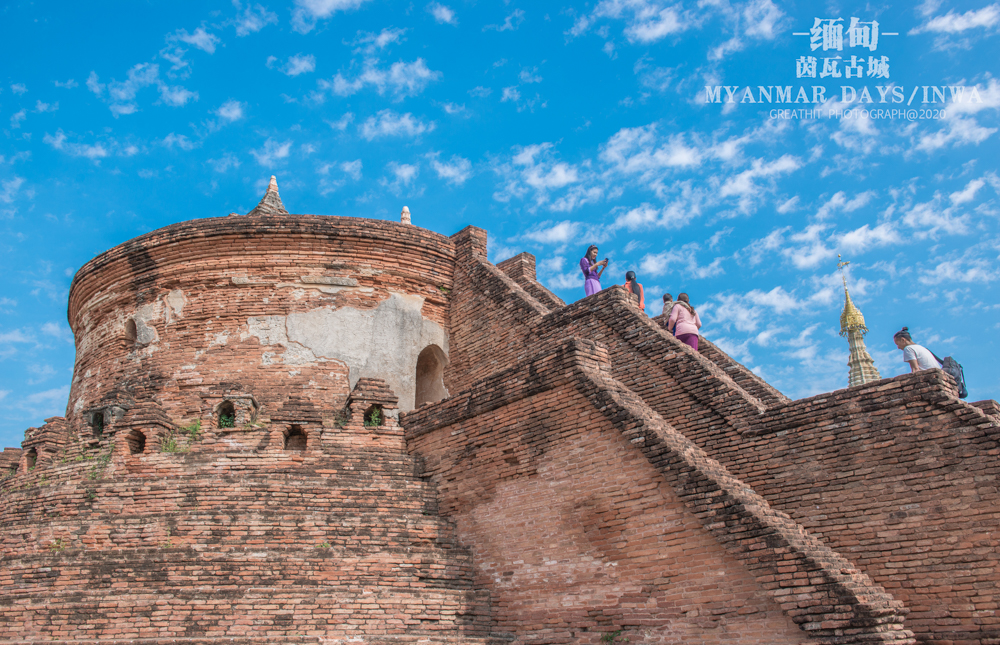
point(634, 287)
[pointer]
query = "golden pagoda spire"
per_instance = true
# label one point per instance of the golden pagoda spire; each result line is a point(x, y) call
point(852, 324)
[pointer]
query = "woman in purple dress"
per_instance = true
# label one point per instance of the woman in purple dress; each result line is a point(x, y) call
point(592, 270)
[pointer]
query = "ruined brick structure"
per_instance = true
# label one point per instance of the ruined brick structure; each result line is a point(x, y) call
point(295, 428)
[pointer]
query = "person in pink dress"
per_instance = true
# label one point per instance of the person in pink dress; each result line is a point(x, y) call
point(684, 322)
point(592, 270)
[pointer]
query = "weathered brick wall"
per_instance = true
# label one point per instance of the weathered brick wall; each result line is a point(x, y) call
point(898, 475)
point(491, 314)
point(715, 402)
point(238, 538)
point(902, 477)
point(521, 269)
point(750, 382)
point(587, 513)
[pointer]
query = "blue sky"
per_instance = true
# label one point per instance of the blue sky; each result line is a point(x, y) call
point(552, 125)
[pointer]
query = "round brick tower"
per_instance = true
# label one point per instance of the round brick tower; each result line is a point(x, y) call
point(231, 317)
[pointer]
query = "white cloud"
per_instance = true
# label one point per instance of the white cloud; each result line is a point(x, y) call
point(369, 43)
point(952, 23)
point(453, 108)
point(968, 193)
point(9, 189)
point(200, 39)
point(46, 107)
point(743, 183)
point(839, 202)
point(387, 123)
point(553, 233)
point(272, 152)
point(764, 248)
point(963, 270)
point(442, 14)
point(231, 110)
point(682, 261)
point(510, 94)
point(480, 92)
point(178, 140)
point(299, 64)
point(307, 12)
point(70, 84)
point(17, 117)
point(789, 205)
point(761, 18)
point(401, 79)
point(639, 151)
point(224, 163)
point(455, 171)
point(58, 330)
point(18, 88)
point(510, 23)
point(646, 20)
point(176, 96)
point(958, 131)
point(932, 217)
point(530, 75)
point(121, 95)
point(811, 249)
point(252, 19)
point(342, 123)
point(94, 152)
point(404, 173)
point(93, 85)
point(352, 168)
point(868, 237)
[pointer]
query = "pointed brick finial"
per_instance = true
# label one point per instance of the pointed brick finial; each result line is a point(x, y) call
point(271, 203)
point(404, 216)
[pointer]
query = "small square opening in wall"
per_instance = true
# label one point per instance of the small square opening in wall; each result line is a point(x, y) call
point(97, 424)
point(136, 441)
point(227, 415)
point(31, 458)
point(295, 438)
point(374, 416)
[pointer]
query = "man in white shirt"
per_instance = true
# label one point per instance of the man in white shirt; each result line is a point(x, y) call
point(918, 357)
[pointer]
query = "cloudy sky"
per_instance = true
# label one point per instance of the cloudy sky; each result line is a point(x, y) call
point(553, 125)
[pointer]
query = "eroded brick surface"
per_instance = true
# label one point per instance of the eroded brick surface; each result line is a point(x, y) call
point(234, 465)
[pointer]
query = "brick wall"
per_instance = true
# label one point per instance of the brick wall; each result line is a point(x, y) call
point(521, 269)
point(587, 513)
point(234, 536)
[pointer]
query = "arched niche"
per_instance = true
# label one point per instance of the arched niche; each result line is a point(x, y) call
point(430, 376)
point(131, 333)
point(225, 415)
point(136, 441)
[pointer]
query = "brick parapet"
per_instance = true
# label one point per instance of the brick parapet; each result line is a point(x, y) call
point(491, 314)
point(817, 588)
point(745, 378)
point(521, 269)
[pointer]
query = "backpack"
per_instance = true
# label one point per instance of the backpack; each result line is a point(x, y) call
point(952, 367)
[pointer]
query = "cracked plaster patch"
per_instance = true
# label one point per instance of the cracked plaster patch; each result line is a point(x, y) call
point(380, 343)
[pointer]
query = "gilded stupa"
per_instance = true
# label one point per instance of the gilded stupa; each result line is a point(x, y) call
point(852, 324)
